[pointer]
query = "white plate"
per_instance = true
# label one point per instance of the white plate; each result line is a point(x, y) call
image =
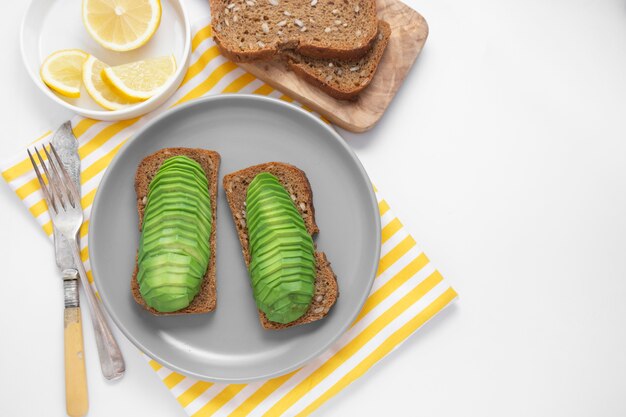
point(50, 25)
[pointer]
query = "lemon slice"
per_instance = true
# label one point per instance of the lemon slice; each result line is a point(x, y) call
point(62, 71)
point(121, 25)
point(142, 79)
point(100, 91)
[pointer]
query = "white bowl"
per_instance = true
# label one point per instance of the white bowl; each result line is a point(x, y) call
point(50, 25)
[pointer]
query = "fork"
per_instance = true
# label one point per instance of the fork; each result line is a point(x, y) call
point(66, 213)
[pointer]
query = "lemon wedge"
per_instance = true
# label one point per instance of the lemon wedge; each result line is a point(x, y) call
point(100, 91)
point(140, 80)
point(62, 71)
point(121, 25)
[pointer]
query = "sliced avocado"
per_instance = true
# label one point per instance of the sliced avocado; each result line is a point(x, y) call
point(180, 212)
point(185, 187)
point(282, 237)
point(167, 300)
point(177, 178)
point(169, 304)
point(197, 172)
point(174, 277)
point(174, 249)
point(282, 266)
point(293, 281)
point(153, 293)
point(176, 224)
point(176, 199)
point(157, 245)
point(178, 241)
point(183, 161)
point(171, 258)
point(278, 245)
point(271, 192)
point(279, 221)
point(195, 235)
point(268, 299)
point(290, 305)
point(172, 271)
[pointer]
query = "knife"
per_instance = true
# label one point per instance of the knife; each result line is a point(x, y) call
point(111, 360)
point(76, 397)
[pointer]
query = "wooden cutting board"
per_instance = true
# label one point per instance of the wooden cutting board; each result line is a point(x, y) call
point(409, 31)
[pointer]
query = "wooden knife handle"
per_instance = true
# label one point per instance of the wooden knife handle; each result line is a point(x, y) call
point(76, 400)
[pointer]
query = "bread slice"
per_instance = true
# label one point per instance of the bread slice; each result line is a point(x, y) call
point(249, 30)
point(206, 299)
point(342, 79)
point(297, 184)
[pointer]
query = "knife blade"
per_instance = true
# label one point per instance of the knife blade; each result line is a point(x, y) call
point(66, 145)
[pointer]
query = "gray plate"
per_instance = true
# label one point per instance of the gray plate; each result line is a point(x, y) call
point(229, 345)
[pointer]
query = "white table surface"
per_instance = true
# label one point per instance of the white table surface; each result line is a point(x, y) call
point(505, 155)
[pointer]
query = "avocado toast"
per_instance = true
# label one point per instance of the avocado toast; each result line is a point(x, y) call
point(283, 178)
point(177, 200)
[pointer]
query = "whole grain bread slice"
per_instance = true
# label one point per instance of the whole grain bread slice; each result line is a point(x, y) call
point(249, 30)
point(343, 79)
point(295, 181)
point(206, 299)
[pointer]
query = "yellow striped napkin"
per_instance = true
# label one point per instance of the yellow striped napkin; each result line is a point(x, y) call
point(407, 292)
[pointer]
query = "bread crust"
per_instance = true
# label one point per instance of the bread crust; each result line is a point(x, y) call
point(206, 299)
point(348, 91)
point(297, 185)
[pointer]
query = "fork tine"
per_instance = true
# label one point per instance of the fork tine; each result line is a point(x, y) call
point(67, 181)
point(44, 188)
point(54, 190)
point(62, 194)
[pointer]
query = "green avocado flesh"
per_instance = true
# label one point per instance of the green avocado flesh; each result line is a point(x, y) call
point(174, 249)
point(282, 255)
